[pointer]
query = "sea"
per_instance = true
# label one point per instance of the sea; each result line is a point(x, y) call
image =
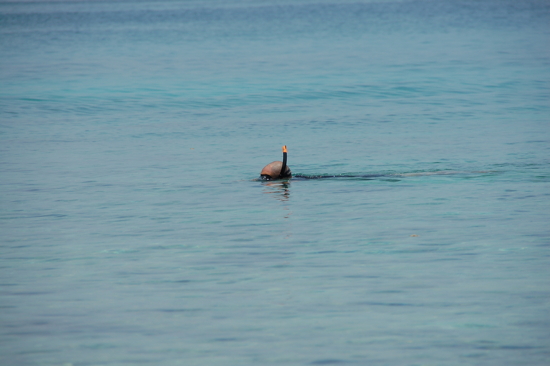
point(134, 228)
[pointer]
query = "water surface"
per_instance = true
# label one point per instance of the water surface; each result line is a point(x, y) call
point(134, 229)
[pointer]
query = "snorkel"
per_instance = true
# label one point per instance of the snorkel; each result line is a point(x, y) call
point(283, 168)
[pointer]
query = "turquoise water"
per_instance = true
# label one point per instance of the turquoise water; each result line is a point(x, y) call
point(134, 229)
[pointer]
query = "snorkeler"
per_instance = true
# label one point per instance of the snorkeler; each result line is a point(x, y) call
point(277, 169)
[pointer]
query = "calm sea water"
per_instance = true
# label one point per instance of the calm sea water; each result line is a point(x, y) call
point(134, 230)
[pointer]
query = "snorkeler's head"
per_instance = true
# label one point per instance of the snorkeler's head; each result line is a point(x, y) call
point(277, 169)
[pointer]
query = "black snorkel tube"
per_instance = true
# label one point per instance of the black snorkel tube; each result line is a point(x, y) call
point(283, 168)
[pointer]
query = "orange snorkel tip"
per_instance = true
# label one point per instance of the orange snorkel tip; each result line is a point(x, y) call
point(284, 149)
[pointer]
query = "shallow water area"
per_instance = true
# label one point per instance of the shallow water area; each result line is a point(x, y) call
point(135, 228)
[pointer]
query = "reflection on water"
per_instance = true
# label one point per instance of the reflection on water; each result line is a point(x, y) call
point(278, 189)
